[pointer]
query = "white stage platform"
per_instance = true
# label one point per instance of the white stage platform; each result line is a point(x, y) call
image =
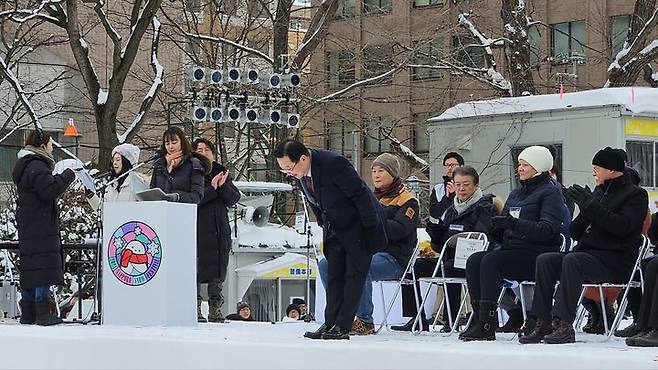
point(241, 345)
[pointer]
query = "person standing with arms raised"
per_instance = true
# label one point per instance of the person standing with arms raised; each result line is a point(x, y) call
point(352, 222)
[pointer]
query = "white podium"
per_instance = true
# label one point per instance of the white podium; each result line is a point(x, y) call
point(149, 264)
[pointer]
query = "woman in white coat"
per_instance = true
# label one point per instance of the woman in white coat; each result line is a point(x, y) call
point(124, 158)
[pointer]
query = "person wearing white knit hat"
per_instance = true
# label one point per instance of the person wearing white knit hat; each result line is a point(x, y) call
point(528, 226)
point(124, 158)
point(539, 157)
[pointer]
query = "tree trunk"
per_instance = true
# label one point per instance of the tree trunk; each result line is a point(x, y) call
point(514, 14)
point(107, 140)
point(281, 29)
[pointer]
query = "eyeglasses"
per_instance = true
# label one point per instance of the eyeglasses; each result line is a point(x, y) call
point(289, 170)
point(450, 165)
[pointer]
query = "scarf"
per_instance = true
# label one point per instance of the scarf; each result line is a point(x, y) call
point(460, 206)
point(392, 190)
point(41, 152)
point(173, 160)
point(128, 256)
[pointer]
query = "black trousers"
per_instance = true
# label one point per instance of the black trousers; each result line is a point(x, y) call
point(424, 267)
point(346, 277)
point(648, 313)
point(635, 294)
point(571, 270)
point(485, 271)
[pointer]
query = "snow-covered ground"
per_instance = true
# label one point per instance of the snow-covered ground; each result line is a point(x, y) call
point(240, 345)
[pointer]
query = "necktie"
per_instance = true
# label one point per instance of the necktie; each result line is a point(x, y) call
point(308, 182)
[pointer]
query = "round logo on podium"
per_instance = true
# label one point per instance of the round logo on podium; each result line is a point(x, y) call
point(134, 253)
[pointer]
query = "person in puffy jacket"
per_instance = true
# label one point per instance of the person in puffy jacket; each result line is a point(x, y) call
point(178, 170)
point(528, 226)
point(37, 218)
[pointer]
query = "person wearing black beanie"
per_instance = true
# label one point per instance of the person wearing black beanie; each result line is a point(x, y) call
point(608, 230)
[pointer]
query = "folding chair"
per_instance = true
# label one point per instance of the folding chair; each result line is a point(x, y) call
point(402, 281)
point(444, 281)
point(643, 249)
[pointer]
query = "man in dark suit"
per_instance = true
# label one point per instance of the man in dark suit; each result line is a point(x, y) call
point(352, 222)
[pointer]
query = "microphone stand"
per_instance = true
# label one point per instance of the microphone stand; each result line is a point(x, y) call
point(309, 234)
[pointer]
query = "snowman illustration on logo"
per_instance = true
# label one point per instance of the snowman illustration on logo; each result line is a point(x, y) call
point(134, 253)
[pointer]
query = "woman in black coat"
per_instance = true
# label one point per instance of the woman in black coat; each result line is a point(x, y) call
point(41, 256)
point(529, 226)
point(213, 231)
point(178, 170)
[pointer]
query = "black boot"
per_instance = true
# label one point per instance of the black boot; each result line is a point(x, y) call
point(594, 318)
point(648, 340)
point(628, 331)
point(485, 327)
point(318, 333)
point(630, 341)
point(563, 333)
point(541, 329)
point(476, 317)
point(514, 322)
point(599, 326)
point(28, 312)
point(43, 315)
point(336, 333)
point(409, 325)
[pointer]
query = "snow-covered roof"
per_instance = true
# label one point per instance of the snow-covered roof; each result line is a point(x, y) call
point(637, 100)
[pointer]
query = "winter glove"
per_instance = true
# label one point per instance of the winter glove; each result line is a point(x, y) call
point(172, 197)
point(581, 195)
point(503, 222)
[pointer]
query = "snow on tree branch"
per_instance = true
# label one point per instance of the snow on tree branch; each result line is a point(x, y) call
point(492, 75)
point(367, 81)
point(637, 52)
point(316, 31)
point(229, 42)
point(20, 93)
point(409, 156)
point(29, 14)
point(158, 69)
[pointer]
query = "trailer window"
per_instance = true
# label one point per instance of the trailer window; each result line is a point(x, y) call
point(642, 157)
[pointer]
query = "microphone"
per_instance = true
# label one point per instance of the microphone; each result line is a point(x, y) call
point(102, 175)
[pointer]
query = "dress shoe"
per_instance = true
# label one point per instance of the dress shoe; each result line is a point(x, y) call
point(318, 333)
point(336, 333)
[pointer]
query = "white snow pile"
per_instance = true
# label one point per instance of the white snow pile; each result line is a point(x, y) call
point(244, 345)
point(637, 100)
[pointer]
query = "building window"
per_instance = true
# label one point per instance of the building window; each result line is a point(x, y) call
point(377, 6)
point(618, 33)
point(377, 60)
point(568, 40)
point(642, 157)
point(377, 133)
point(8, 151)
point(534, 38)
point(340, 69)
point(193, 6)
point(428, 53)
point(422, 3)
point(466, 51)
point(421, 136)
point(341, 137)
point(555, 149)
point(346, 8)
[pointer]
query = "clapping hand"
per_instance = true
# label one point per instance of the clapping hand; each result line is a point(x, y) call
point(219, 180)
point(580, 195)
point(503, 222)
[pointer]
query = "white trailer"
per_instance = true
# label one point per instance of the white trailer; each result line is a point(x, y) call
point(490, 134)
